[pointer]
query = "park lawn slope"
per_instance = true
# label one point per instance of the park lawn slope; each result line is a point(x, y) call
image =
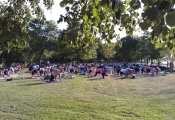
point(145, 98)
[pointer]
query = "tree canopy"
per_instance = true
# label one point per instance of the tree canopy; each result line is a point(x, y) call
point(88, 22)
point(158, 15)
point(14, 18)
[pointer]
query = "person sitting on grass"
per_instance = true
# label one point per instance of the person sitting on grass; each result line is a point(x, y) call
point(52, 78)
point(56, 73)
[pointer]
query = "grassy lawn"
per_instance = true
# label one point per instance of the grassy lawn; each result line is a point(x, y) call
point(145, 98)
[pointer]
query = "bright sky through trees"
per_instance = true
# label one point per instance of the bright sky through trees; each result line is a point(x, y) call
point(55, 13)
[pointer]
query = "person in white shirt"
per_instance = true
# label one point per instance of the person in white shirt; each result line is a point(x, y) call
point(42, 71)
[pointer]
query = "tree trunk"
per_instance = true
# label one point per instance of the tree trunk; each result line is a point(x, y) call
point(6, 59)
point(78, 58)
point(171, 64)
point(151, 61)
point(147, 60)
point(158, 63)
point(40, 56)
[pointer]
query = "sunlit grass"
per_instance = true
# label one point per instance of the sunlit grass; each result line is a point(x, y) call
point(145, 98)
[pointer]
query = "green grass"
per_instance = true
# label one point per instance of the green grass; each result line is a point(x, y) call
point(145, 98)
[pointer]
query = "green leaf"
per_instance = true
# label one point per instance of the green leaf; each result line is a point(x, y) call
point(67, 9)
point(135, 4)
point(164, 32)
point(145, 24)
point(63, 4)
point(85, 17)
point(94, 11)
point(96, 20)
point(124, 19)
point(172, 2)
point(154, 13)
point(170, 19)
point(150, 2)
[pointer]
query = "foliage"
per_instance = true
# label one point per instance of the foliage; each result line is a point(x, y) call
point(134, 49)
point(79, 36)
point(148, 50)
point(109, 51)
point(88, 13)
point(106, 14)
point(90, 53)
point(14, 18)
point(100, 51)
point(128, 49)
point(43, 38)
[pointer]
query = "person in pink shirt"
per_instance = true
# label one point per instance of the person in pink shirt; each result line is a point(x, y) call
point(98, 71)
point(148, 69)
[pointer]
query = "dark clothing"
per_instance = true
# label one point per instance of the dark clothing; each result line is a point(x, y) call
point(51, 78)
point(122, 73)
point(104, 73)
point(34, 71)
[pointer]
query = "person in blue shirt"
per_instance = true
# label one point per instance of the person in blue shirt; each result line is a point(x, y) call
point(71, 69)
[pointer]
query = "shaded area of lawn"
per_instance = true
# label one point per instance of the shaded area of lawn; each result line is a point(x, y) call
point(145, 98)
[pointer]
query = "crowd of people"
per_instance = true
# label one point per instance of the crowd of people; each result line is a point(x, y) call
point(56, 71)
point(7, 73)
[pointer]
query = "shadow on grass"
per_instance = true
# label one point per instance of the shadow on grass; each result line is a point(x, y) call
point(31, 84)
point(42, 83)
point(17, 78)
point(92, 79)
